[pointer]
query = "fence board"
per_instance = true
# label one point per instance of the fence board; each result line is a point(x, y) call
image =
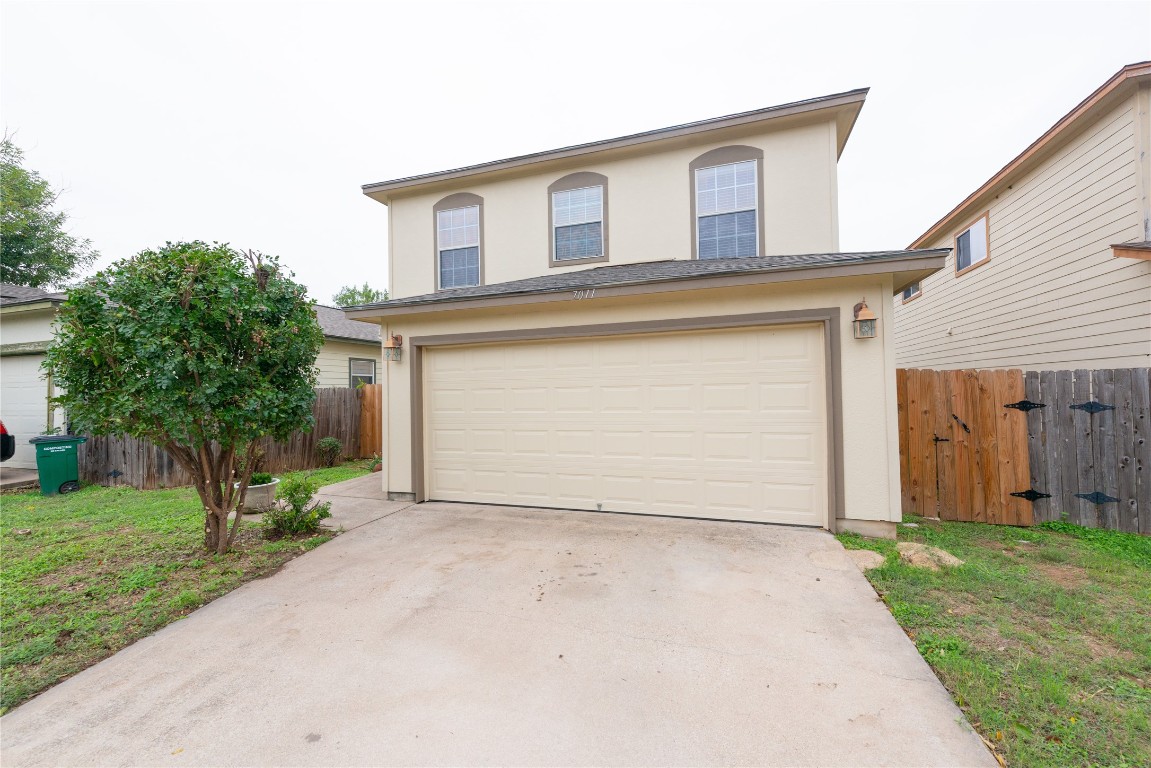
point(371, 420)
point(1051, 450)
point(962, 452)
point(1084, 450)
point(1037, 445)
point(1104, 455)
point(1127, 508)
point(1141, 446)
point(944, 448)
point(904, 458)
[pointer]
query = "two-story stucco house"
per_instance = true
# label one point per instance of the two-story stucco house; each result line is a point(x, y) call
point(1050, 268)
point(657, 324)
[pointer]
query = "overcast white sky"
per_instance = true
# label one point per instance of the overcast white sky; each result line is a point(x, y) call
point(256, 123)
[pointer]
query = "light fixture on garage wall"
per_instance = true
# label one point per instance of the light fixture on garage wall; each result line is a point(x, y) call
point(865, 323)
point(394, 347)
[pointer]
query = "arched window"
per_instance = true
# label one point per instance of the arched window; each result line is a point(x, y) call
point(726, 203)
point(459, 233)
point(577, 219)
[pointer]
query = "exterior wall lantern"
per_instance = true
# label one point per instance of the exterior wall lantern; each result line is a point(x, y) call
point(394, 347)
point(865, 323)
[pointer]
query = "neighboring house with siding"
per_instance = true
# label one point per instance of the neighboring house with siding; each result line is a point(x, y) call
point(660, 323)
point(1051, 265)
point(351, 351)
point(26, 316)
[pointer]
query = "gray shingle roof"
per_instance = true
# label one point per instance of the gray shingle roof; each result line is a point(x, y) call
point(336, 324)
point(10, 293)
point(652, 272)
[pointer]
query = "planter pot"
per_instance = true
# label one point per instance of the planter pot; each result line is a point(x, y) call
point(260, 497)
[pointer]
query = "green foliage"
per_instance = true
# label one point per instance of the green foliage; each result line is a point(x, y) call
point(1129, 546)
point(198, 348)
point(294, 511)
point(260, 478)
point(374, 462)
point(329, 450)
point(35, 249)
point(351, 296)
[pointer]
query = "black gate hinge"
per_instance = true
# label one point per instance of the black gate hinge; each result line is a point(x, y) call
point(1032, 495)
point(1025, 405)
point(1091, 406)
point(938, 439)
point(959, 421)
point(1096, 497)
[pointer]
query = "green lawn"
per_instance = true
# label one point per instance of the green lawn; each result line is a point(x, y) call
point(83, 575)
point(1043, 637)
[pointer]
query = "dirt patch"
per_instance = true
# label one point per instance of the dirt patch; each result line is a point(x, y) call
point(1064, 574)
point(866, 559)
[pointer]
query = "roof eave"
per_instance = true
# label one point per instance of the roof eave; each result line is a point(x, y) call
point(851, 100)
point(921, 264)
point(1036, 150)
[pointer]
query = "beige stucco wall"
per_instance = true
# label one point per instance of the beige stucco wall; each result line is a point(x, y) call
point(332, 362)
point(870, 449)
point(649, 209)
point(1052, 296)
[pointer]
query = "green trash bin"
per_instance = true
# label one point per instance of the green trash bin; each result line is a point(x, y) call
point(57, 463)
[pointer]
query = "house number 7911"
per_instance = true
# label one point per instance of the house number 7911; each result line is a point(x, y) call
point(587, 293)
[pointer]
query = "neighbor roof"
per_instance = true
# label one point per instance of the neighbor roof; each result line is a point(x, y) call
point(850, 101)
point(336, 325)
point(650, 272)
point(1102, 99)
point(12, 294)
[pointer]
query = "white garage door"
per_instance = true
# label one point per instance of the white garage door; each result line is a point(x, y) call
point(726, 424)
point(23, 404)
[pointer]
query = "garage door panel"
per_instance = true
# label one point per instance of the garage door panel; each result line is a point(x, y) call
point(715, 424)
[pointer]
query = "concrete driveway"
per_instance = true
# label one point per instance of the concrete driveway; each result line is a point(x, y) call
point(460, 634)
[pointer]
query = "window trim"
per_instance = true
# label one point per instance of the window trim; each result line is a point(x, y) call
point(913, 296)
point(986, 216)
point(450, 203)
point(375, 369)
point(736, 153)
point(578, 180)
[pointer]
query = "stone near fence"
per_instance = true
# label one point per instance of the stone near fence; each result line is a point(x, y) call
point(926, 556)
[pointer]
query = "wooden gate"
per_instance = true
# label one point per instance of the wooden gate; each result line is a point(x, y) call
point(1004, 447)
point(371, 419)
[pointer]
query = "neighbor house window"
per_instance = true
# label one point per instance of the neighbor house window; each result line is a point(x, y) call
point(911, 291)
point(972, 246)
point(459, 241)
point(361, 372)
point(578, 218)
point(727, 187)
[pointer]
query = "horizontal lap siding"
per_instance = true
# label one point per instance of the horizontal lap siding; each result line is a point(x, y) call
point(1052, 295)
point(332, 362)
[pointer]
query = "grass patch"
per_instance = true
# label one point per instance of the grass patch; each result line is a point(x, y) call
point(87, 574)
point(1043, 637)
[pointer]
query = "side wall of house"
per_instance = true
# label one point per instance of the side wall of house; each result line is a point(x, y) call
point(24, 387)
point(1052, 296)
point(332, 361)
point(648, 208)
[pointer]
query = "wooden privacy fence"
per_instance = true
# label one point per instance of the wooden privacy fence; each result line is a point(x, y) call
point(371, 419)
point(1017, 449)
point(138, 463)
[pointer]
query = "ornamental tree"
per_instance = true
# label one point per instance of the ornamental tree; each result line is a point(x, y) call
point(199, 349)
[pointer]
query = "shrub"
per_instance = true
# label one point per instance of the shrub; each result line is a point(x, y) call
point(295, 511)
point(260, 478)
point(329, 449)
point(374, 462)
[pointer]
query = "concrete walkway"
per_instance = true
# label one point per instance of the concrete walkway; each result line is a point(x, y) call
point(440, 634)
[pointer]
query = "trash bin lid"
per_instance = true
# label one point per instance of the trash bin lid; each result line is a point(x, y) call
point(58, 439)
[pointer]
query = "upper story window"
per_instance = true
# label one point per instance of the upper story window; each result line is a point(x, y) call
point(727, 186)
point(972, 246)
point(578, 218)
point(911, 291)
point(459, 238)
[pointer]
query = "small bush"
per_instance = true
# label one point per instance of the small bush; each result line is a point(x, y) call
point(374, 462)
point(329, 450)
point(294, 511)
point(260, 478)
